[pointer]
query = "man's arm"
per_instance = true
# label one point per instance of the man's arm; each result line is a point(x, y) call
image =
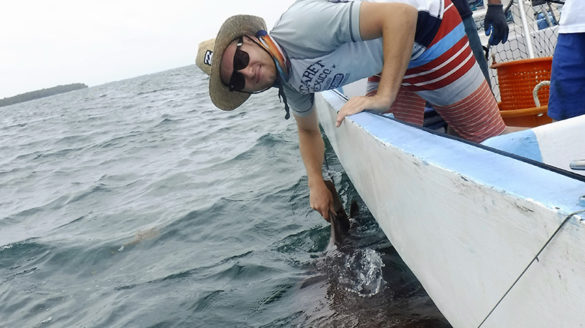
point(312, 150)
point(396, 24)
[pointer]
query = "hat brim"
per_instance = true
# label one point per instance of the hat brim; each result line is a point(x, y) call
point(232, 28)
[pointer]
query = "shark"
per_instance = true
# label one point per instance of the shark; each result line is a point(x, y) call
point(340, 238)
point(339, 220)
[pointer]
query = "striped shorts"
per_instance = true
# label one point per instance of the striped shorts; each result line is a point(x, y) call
point(447, 75)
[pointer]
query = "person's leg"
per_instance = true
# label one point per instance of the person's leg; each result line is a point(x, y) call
point(408, 106)
point(567, 83)
point(476, 117)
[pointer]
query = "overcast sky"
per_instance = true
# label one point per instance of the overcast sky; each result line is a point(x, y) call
point(47, 43)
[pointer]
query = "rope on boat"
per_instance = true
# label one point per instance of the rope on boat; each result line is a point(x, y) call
point(535, 258)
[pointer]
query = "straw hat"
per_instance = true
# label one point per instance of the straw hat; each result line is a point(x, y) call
point(209, 57)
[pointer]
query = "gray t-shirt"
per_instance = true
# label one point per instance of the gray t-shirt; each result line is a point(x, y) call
point(324, 46)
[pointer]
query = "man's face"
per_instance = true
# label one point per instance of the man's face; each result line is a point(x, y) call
point(258, 75)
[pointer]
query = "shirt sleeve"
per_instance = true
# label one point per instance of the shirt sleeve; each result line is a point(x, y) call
point(300, 104)
point(316, 27)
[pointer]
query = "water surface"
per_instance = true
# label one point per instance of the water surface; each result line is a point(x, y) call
point(139, 204)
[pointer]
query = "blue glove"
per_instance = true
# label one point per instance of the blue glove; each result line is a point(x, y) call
point(496, 19)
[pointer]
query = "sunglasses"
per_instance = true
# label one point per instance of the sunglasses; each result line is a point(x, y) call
point(241, 60)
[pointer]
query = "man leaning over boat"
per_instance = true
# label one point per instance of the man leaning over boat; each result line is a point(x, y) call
point(420, 47)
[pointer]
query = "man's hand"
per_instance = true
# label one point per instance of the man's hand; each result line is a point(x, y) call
point(321, 199)
point(355, 105)
point(495, 24)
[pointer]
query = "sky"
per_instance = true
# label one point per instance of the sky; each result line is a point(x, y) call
point(49, 43)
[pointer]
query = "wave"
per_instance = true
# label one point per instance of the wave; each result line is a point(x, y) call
point(208, 272)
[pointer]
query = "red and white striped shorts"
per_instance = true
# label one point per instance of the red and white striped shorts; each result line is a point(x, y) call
point(447, 76)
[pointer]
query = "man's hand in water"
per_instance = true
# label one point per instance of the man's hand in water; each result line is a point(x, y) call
point(321, 200)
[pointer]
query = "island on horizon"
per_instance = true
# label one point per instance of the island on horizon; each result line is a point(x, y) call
point(41, 93)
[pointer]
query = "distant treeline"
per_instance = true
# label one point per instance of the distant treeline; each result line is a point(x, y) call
point(41, 93)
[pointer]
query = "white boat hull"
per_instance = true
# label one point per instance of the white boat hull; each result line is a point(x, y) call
point(468, 221)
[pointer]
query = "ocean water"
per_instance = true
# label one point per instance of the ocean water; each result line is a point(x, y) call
point(138, 204)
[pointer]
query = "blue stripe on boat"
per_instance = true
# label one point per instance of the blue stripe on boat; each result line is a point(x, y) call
point(522, 143)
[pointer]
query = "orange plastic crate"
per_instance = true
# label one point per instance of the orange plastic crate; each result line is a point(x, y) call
point(517, 80)
point(526, 117)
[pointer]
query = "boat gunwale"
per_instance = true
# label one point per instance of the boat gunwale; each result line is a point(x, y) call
point(542, 165)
